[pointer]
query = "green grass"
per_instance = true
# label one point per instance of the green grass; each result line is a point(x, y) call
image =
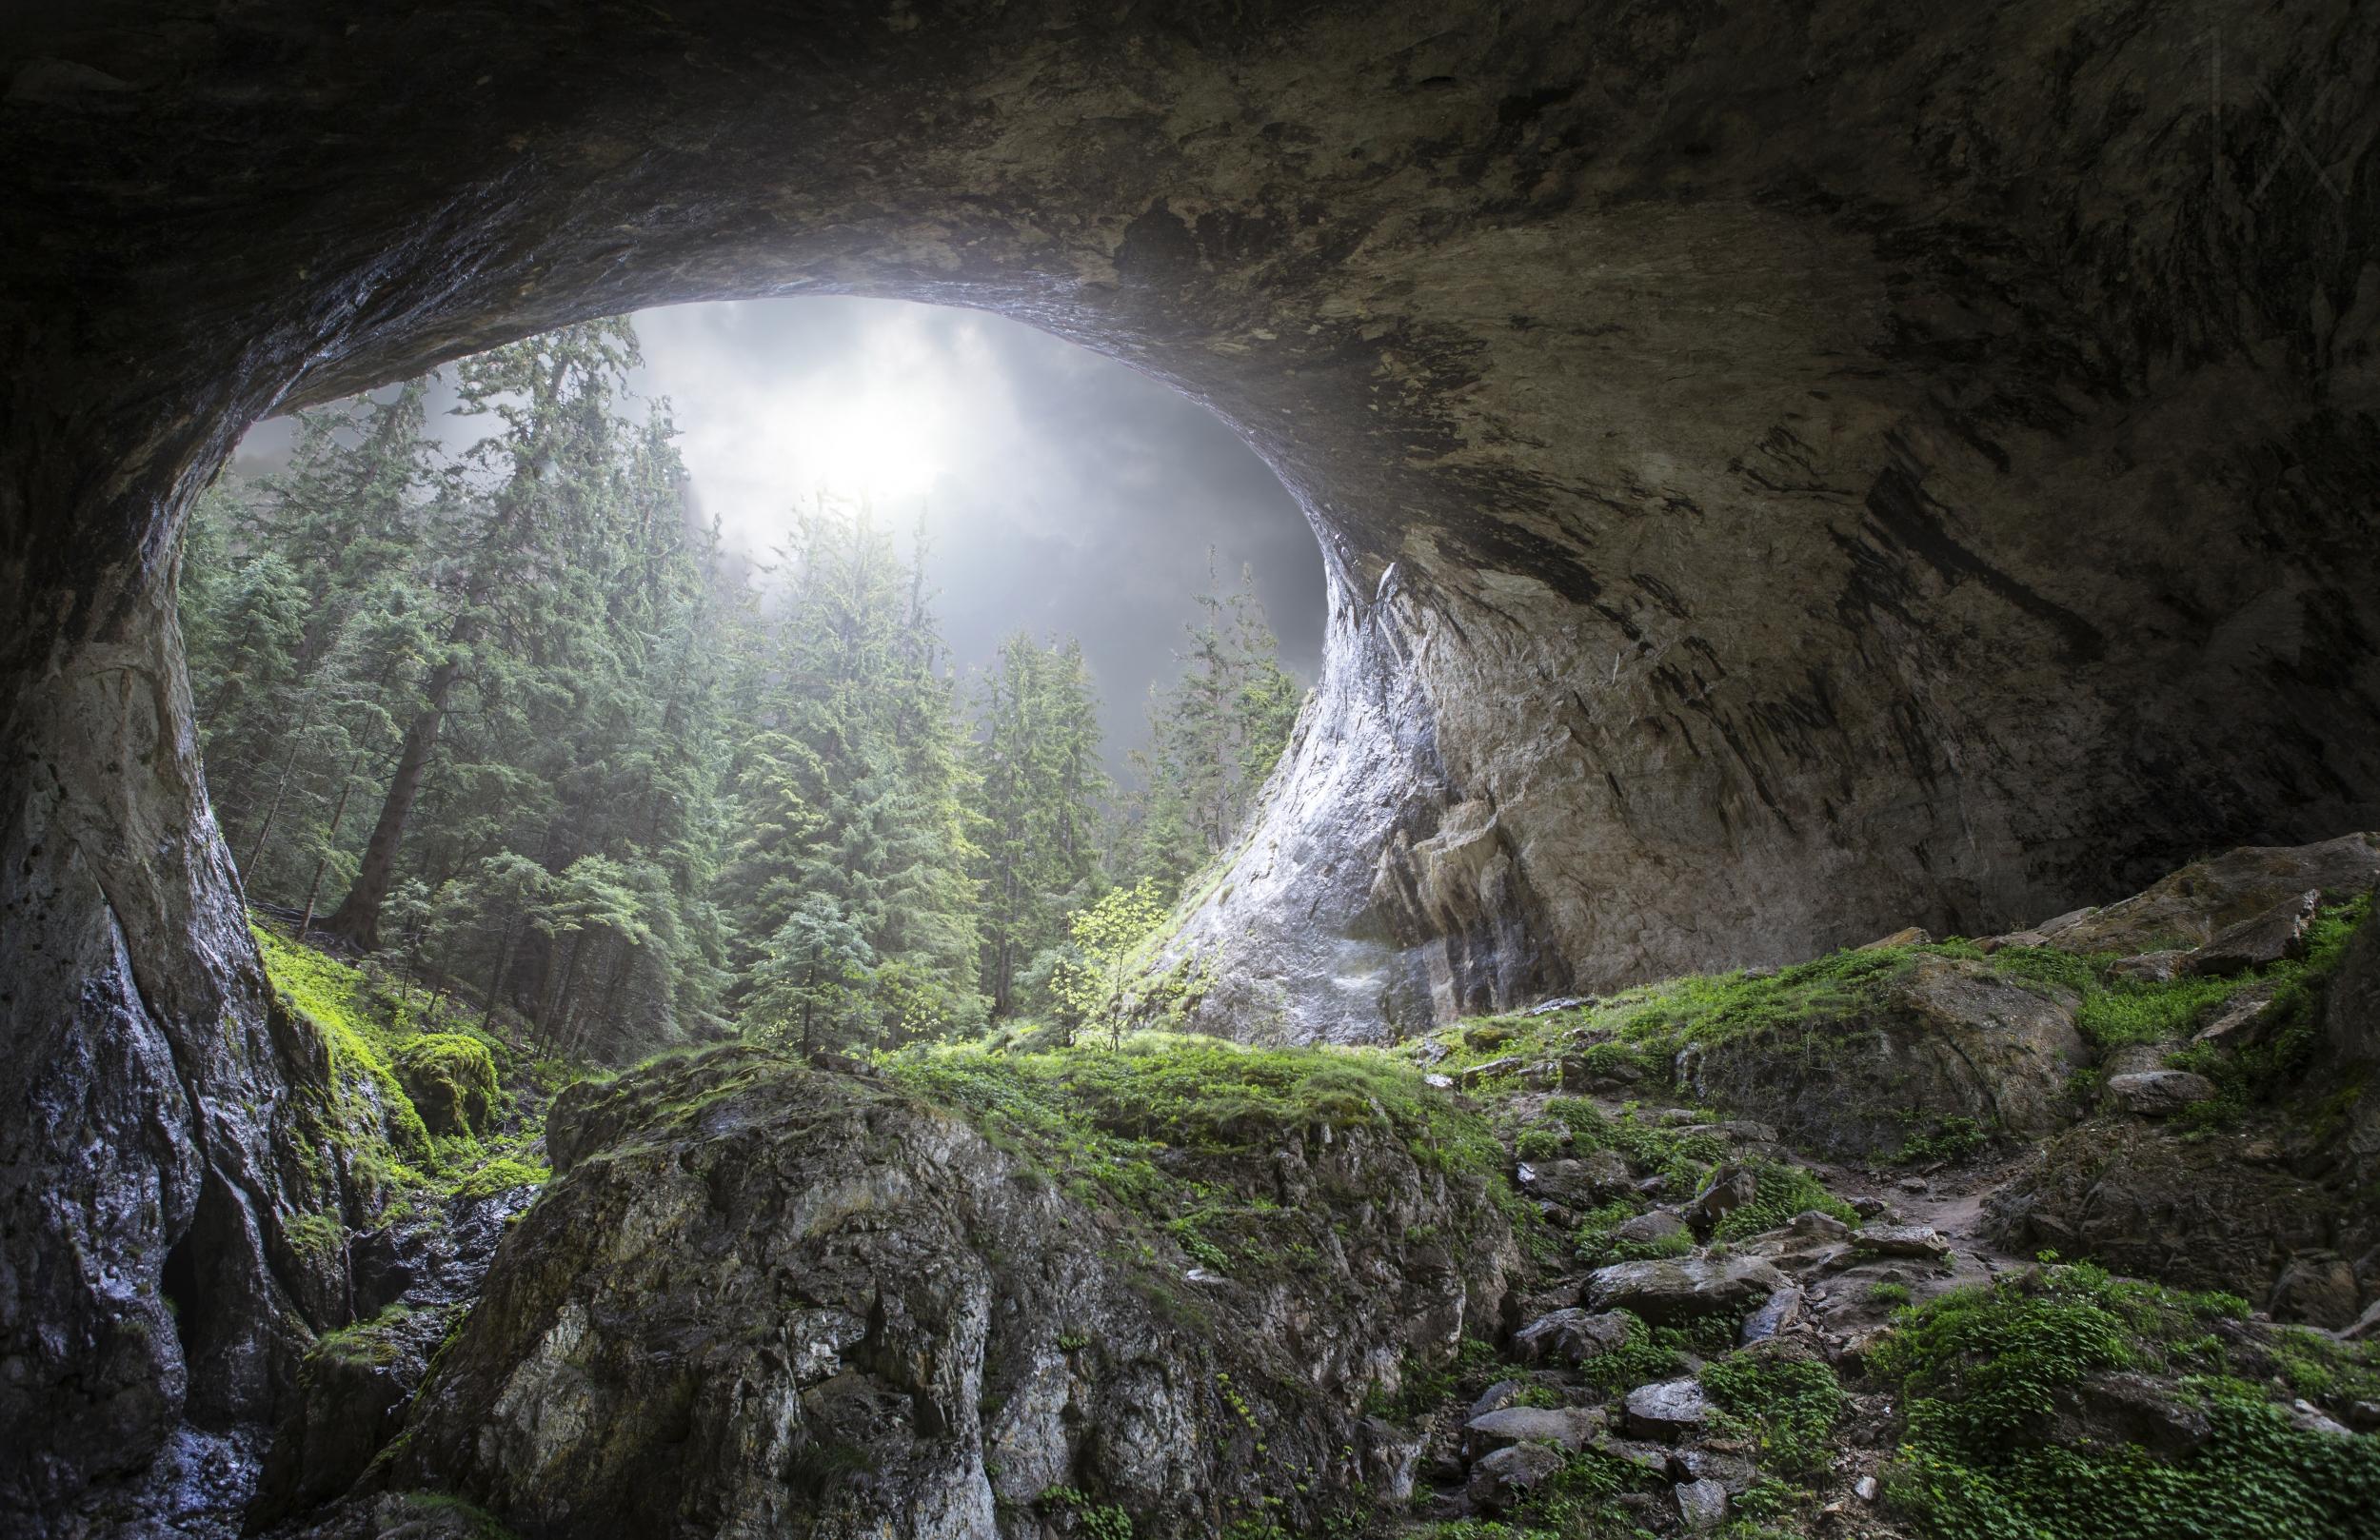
point(1984, 1372)
point(377, 1040)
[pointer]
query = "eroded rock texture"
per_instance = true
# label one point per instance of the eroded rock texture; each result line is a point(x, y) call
point(1784, 472)
point(766, 1299)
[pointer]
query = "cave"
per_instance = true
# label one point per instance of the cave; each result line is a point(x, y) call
point(1784, 474)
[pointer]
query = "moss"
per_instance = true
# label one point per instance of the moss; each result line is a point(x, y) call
point(450, 1079)
point(502, 1175)
point(1107, 1117)
point(315, 1236)
point(371, 1342)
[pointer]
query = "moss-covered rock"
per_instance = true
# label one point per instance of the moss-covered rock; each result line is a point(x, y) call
point(764, 1297)
point(450, 1079)
point(1899, 1052)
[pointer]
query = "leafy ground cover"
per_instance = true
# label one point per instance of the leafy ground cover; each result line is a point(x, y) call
point(1988, 1372)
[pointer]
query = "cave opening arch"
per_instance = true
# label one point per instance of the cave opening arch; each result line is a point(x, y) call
point(1028, 487)
point(1786, 474)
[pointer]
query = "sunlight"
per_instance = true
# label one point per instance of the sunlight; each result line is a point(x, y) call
point(884, 446)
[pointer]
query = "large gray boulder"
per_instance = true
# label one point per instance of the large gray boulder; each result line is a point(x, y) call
point(761, 1298)
point(2187, 908)
point(1922, 1041)
point(1569, 1428)
point(2158, 1092)
point(1570, 1336)
point(2198, 1212)
point(1667, 1291)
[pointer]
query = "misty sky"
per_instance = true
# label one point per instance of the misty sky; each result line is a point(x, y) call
point(1061, 491)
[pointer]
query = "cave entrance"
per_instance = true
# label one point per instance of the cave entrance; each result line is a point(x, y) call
point(855, 625)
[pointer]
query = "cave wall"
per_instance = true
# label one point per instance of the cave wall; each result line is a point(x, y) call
point(1785, 472)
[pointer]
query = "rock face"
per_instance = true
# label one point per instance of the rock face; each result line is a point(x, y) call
point(2189, 907)
point(2158, 1092)
point(764, 1297)
point(1665, 1292)
point(1766, 463)
point(2140, 1201)
point(1944, 1039)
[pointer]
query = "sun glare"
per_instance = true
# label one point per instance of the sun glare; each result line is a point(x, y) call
point(882, 445)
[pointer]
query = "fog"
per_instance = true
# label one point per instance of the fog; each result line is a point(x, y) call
point(1060, 490)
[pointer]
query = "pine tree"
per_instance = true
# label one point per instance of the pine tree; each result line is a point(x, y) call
point(1215, 735)
point(1037, 787)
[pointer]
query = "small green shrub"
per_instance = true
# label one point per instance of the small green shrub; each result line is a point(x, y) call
point(1951, 1139)
point(1789, 1405)
point(1888, 1293)
point(1781, 1191)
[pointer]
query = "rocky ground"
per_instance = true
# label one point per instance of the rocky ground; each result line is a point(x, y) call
point(2065, 1232)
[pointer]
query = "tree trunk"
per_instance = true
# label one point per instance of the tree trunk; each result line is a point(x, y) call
point(280, 790)
point(358, 915)
point(496, 985)
point(547, 1024)
point(314, 889)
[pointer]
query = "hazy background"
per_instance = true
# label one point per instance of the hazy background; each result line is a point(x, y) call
point(1061, 491)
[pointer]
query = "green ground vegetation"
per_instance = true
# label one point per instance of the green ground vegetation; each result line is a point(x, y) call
point(1986, 1372)
point(1102, 1122)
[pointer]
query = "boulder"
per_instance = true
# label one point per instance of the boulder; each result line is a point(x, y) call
point(1668, 1411)
point(1819, 1225)
point(2152, 967)
point(1728, 1189)
point(1569, 1428)
point(2158, 1092)
point(1581, 1184)
point(1933, 1038)
point(2189, 907)
point(1702, 1505)
point(2309, 1418)
point(2120, 1407)
point(2239, 1020)
point(1570, 1336)
point(1667, 1291)
point(1509, 1474)
point(2195, 1214)
point(769, 1295)
point(1496, 1397)
point(1651, 1459)
point(2319, 1288)
point(1736, 1473)
point(2259, 940)
point(1902, 1240)
point(1654, 1227)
